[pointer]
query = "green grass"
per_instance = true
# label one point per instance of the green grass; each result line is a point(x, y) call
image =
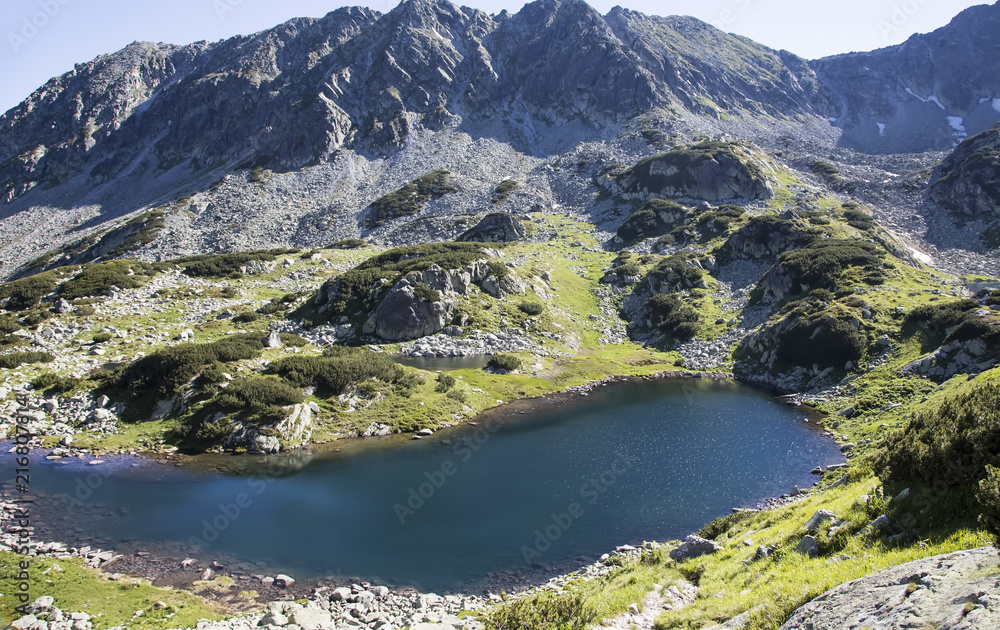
point(77, 588)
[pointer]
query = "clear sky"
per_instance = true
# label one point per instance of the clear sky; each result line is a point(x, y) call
point(44, 38)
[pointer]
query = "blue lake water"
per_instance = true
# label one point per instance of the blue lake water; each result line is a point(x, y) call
point(630, 462)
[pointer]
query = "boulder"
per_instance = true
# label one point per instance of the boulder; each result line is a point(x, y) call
point(340, 594)
point(497, 227)
point(273, 340)
point(62, 307)
point(808, 546)
point(283, 581)
point(693, 547)
point(818, 520)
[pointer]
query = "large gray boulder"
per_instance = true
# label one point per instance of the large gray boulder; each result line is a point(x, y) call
point(693, 547)
point(957, 591)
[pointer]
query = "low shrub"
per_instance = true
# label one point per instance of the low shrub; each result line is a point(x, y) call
point(54, 384)
point(166, 371)
point(724, 524)
point(102, 337)
point(822, 341)
point(424, 292)
point(939, 324)
point(504, 362)
point(531, 307)
point(348, 243)
point(502, 191)
point(672, 317)
point(100, 278)
point(410, 199)
point(655, 218)
point(226, 265)
point(338, 369)
point(246, 317)
point(989, 501)
point(17, 359)
point(256, 393)
point(952, 444)
point(9, 324)
point(543, 611)
point(445, 382)
point(25, 293)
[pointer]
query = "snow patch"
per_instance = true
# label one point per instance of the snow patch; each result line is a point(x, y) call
point(833, 121)
point(881, 129)
point(958, 124)
point(929, 99)
point(985, 99)
point(996, 104)
point(922, 257)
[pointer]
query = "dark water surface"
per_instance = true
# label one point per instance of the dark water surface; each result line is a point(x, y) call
point(630, 462)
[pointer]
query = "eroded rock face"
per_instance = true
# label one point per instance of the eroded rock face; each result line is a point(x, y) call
point(968, 180)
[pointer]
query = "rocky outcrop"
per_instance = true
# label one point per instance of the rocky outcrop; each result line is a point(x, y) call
point(709, 171)
point(957, 591)
point(292, 432)
point(498, 227)
point(766, 237)
point(968, 180)
point(421, 303)
point(970, 357)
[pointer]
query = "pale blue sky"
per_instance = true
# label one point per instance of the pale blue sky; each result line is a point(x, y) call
point(44, 38)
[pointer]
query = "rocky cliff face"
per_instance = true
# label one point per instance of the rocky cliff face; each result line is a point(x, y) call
point(968, 180)
point(926, 93)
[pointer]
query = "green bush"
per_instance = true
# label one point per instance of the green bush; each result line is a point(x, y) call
point(165, 372)
point(989, 500)
point(456, 394)
point(20, 295)
point(54, 384)
point(338, 369)
point(652, 219)
point(246, 317)
point(102, 337)
point(35, 318)
point(543, 611)
point(9, 324)
point(724, 524)
point(445, 382)
point(226, 265)
point(84, 310)
point(410, 199)
point(504, 362)
point(952, 444)
point(292, 340)
point(822, 264)
point(424, 292)
point(503, 190)
point(99, 278)
point(672, 317)
point(822, 341)
point(856, 217)
point(531, 307)
point(17, 359)
point(675, 272)
point(939, 324)
point(256, 393)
